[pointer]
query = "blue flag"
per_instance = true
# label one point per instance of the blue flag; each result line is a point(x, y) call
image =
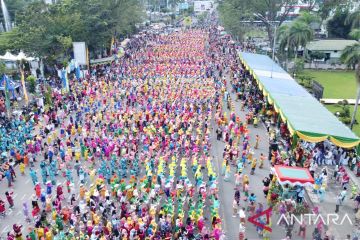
point(6, 89)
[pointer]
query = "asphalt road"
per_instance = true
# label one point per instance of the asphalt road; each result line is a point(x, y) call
point(231, 224)
point(24, 189)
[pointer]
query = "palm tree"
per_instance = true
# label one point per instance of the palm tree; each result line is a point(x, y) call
point(355, 34)
point(354, 19)
point(300, 34)
point(308, 18)
point(283, 35)
point(351, 57)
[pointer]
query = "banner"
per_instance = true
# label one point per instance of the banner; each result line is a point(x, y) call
point(80, 53)
point(64, 80)
point(6, 89)
point(203, 6)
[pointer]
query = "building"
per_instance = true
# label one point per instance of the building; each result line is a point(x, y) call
point(331, 48)
point(294, 10)
point(203, 6)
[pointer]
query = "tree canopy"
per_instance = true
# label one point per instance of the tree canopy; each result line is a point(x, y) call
point(233, 11)
point(47, 31)
point(338, 26)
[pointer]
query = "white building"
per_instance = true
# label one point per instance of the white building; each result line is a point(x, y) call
point(295, 9)
point(332, 48)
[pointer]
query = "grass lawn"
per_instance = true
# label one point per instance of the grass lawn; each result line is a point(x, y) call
point(337, 84)
point(334, 108)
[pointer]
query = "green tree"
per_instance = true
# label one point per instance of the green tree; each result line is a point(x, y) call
point(270, 11)
point(295, 35)
point(48, 95)
point(298, 66)
point(354, 19)
point(308, 18)
point(232, 12)
point(326, 7)
point(284, 41)
point(355, 34)
point(47, 31)
point(9, 40)
point(300, 34)
point(32, 83)
point(2, 68)
point(317, 55)
point(351, 57)
point(338, 26)
point(231, 15)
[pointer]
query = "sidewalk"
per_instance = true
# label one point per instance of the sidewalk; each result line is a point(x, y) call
point(327, 207)
point(337, 100)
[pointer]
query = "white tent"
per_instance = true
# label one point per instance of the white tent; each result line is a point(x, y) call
point(8, 56)
point(22, 56)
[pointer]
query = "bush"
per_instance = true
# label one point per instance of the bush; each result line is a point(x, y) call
point(32, 83)
point(298, 66)
point(48, 95)
point(345, 120)
point(345, 111)
point(317, 55)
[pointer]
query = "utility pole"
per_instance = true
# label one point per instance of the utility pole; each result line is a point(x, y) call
point(274, 39)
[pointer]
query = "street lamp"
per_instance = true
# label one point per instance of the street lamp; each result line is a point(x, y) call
point(261, 17)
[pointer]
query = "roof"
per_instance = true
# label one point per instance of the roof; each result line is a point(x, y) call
point(293, 175)
point(329, 45)
point(305, 117)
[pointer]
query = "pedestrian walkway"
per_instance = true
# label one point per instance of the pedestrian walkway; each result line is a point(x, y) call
point(337, 100)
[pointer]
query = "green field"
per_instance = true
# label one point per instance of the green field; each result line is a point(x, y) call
point(334, 108)
point(337, 84)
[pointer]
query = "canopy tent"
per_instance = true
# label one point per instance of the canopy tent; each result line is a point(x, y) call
point(305, 117)
point(8, 56)
point(21, 56)
point(294, 176)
